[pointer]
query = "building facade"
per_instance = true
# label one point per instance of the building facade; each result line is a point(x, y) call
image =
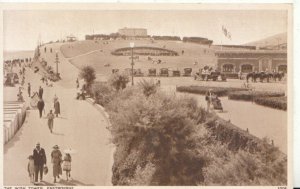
point(234, 61)
point(132, 32)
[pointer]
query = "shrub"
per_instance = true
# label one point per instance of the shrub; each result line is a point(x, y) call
point(102, 93)
point(148, 87)
point(252, 95)
point(159, 129)
point(273, 102)
point(220, 91)
point(118, 81)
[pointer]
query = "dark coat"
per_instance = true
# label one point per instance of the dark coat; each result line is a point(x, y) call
point(39, 157)
point(40, 105)
point(56, 107)
point(41, 91)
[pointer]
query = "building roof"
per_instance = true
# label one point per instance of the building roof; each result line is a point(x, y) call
point(246, 51)
point(132, 28)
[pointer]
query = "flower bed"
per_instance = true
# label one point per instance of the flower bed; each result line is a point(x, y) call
point(220, 91)
point(253, 95)
point(273, 102)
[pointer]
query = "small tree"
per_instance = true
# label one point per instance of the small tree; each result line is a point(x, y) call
point(88, 74)
point(148, 87)
point(118, 81)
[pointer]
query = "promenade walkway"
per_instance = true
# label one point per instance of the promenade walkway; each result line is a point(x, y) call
point(80, 127)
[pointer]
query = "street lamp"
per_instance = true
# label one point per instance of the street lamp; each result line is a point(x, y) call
point(56, 61)
point(131, 46)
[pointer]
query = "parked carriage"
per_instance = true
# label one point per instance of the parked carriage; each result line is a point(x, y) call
point(187, 72)
point(213, 75)
point(176, 73)
point(164, 72)
point(152, 72)
point(138, 73)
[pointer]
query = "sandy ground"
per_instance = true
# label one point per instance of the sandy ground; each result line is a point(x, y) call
point(81, 127)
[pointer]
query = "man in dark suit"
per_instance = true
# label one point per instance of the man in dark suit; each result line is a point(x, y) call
point(41, 91)
point(41, 106)
point(39, 157)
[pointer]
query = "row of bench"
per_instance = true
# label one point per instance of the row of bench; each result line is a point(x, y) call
point(14, 114)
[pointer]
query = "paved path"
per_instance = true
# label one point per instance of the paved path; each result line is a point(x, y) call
point(84, 54)
point(81, 127)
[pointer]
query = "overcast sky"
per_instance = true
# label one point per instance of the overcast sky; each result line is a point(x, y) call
point(22, 28)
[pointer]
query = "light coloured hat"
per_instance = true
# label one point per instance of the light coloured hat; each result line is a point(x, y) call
point(70, 151)
point(56, 147)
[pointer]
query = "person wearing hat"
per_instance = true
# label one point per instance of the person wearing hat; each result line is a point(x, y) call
point(39, 157)
point(56, 106)
point(56, 159)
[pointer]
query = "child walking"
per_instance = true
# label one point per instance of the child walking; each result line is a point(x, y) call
point(67, 165)
point(31, 168)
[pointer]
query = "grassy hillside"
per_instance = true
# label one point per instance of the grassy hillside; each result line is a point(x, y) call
point(272, 41)
point(97, 54)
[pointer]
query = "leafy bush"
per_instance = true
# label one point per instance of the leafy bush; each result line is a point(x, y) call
point(252, 95)
point(118, 81)
point(148, 87)
point(273, 102)
point(102, 93)
point(220, 91)
point(159, 129)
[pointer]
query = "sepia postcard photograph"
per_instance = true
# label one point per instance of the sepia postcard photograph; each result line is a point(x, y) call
point(146, 95)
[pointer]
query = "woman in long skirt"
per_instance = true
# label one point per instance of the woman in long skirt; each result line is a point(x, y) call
point(56, 159)
point(56, 106)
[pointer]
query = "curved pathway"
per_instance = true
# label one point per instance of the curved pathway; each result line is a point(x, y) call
point(81, 127)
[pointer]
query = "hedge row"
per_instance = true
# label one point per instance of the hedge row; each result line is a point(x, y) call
point(234, 137)
point(220, 91)
point(273, 102)
point(252, 95)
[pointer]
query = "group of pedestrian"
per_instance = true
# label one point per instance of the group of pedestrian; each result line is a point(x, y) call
point(37, 164)
point(41, 106)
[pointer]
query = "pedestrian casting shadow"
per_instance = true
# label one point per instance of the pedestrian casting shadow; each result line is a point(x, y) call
point(59, 134)
point(61, 117)
point(44, 183)
point(74, 183)
point(224, 111)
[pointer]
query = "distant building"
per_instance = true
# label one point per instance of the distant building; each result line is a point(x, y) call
point(133, 32)
point(233, 61)
point(71, 38)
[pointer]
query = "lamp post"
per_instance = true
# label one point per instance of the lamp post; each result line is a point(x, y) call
point(56, 61)
point(131, 46)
